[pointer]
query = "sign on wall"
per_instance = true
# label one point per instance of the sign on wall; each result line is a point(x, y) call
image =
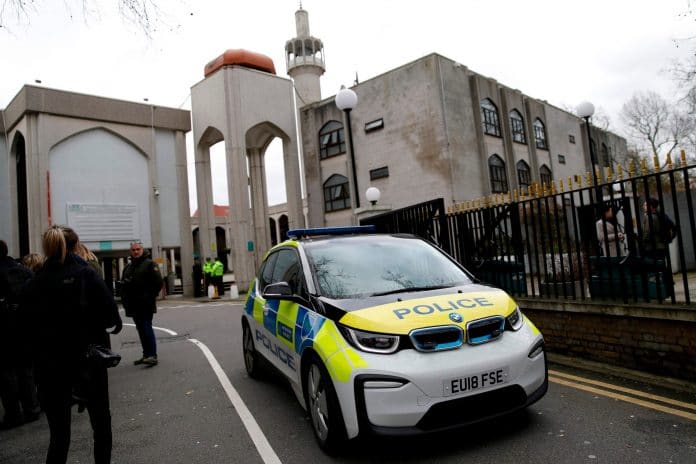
point(104, 222)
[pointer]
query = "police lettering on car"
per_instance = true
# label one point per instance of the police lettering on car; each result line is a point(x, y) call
point(425, 309)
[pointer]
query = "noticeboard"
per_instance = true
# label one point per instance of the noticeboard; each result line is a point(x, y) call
point(104, 222)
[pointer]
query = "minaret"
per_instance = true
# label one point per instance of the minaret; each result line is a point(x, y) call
point(304, 56)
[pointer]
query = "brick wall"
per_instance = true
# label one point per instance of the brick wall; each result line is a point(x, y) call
point(660, 339)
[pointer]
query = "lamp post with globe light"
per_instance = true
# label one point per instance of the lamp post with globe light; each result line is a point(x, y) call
point(585, 110)
point(346, 100)
point(373, 195)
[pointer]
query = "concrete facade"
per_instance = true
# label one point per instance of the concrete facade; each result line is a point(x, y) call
point(246, 109)
point(432, 140)
point(115, 171)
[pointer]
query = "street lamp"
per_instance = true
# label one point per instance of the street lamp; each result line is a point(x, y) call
point(585, 110)
point(373, 195)
point(346, 100)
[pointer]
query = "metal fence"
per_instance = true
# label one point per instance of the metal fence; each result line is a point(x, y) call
point(573, 241)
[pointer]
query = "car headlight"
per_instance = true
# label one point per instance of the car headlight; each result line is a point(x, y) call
point(515, 321)
point(370, 341)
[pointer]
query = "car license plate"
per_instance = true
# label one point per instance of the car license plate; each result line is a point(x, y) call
point(467, 384)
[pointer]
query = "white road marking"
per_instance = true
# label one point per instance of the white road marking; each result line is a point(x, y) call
point(170, 332)
point(255, 433)
point(262, 445)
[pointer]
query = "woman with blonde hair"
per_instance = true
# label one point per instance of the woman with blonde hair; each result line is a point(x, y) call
point(34, 261)
point(85, 253)
point(67, 307)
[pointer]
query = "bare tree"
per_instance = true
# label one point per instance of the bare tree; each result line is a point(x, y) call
point(653, 122)
point(145, 14)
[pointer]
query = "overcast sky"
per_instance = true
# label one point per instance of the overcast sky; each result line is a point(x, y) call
point(560, 51)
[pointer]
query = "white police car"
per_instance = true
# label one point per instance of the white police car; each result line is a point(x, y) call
point(386, 334)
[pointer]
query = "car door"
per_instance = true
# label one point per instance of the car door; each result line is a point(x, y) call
point(279, 316)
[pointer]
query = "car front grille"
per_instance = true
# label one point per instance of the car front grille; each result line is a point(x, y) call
point(473, 408)
point(484, 330)
point(437, 338)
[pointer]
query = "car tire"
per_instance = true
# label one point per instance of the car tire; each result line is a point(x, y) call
point(323, 408)
point(251, 357)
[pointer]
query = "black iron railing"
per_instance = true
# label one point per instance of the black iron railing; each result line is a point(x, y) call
point(552, 241)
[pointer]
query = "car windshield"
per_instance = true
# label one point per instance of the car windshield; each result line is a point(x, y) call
point(355, 267)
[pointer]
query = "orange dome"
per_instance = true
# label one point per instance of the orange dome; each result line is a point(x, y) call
point(240, 57)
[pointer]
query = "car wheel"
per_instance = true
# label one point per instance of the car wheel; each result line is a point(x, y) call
point(251, 357)
point(322, 405)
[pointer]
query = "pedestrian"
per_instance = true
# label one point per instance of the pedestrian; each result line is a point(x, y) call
point(140, 285)
point(207, 272)
point(17, 386)
point(657, 232)
point(609, 234)
point(218, 272)
point(90, 258)
point(197, 278)
point(65, 308)
point(34, 261)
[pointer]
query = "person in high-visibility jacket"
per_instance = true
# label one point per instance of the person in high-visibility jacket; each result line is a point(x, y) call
point(207, 273)
point(217, 271)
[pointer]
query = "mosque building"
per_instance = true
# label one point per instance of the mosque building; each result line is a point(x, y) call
point(115, 171)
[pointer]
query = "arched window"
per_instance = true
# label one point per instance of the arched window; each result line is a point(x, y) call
point(540, 134)
point(272, 224)
point(283, 227)
point(332, 141)
point(517, 126)
point(545, 175)
point(496, 167)
point(336, 193)
point(489, 116)
point(524, 177)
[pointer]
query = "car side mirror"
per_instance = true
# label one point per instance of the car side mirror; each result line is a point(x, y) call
point(277, 291)
point(282, 291)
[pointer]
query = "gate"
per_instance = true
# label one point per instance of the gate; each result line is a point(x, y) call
point(427, 220)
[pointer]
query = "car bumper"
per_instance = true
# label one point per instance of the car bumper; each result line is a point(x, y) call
point(405, 393)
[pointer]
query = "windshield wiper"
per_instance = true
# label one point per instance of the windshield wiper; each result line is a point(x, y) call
point(411, 289)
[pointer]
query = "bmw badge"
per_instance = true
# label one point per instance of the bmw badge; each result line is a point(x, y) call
point(455, 317)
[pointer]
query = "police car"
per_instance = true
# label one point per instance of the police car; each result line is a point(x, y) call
point(386, 334)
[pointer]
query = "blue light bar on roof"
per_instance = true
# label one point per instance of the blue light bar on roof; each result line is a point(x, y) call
point(296, 233)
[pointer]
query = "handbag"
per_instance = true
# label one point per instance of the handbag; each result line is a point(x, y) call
point(101, 356)
point(96, 355)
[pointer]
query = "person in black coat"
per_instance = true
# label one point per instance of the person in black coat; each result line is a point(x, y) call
point(140, 285)
point(17, 388)
point(65, 308)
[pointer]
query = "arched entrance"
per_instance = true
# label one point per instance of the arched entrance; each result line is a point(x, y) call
point(247, 109)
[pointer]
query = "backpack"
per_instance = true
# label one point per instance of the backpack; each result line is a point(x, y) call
point(668, 230)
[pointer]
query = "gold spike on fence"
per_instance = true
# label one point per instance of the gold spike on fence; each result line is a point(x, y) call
point(656, 163)
point(619, 173)
point(609, 174)
point(560, 185)
point(683, 157)
point(669, 161)
point(643, 167)
point(631, 168)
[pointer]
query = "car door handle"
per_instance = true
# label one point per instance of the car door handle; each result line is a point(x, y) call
point(266, 309)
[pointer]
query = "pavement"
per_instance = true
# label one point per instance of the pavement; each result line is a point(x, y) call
point(607, 370)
